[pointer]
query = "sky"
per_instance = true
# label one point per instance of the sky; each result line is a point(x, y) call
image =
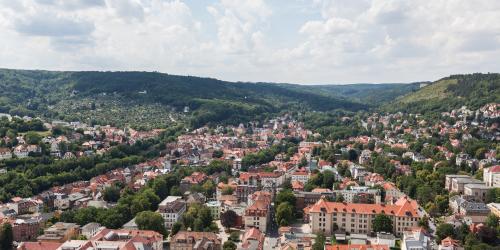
point(294, 41)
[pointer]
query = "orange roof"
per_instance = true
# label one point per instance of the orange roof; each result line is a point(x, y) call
point(356, 247)
point(297, 185)
point(448, 242)
point(39, 245)
point(321, 190)
point(403, 207)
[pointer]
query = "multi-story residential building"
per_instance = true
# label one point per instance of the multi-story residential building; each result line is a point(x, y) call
point(467, 207)
point(252, 239)
point(258, 213)
point(359, 195)
point(23, 229)
point(215, 208)
point(60, 232)
point(300, 176)
point(415, 239)
point(5, 154)
point(491, 176)
point(358, 218)
point(24, 206)
point(458, 183)
point(171, 209)
point(124, 239)
point(272, 180)
point(449, 178)
point(478, 191)
point(494, 208)
point(184, 240)
point(91, 229)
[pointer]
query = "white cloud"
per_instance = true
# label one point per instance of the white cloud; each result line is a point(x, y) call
point(339, 41)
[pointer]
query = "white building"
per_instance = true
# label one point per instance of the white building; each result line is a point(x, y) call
point(491, 176)
point(171, 209)
point(415, 240)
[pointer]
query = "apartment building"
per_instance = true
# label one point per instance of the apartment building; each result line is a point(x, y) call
point(184, 240)
point(257, 213)
point(478, 191)
point(491, 176)
point(456, 183)
point(358, 218)
point(171, 209)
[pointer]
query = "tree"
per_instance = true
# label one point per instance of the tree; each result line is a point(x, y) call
point(444, 230)
point(382, 223)
point(234, 236)
point(33, 137)
point(6, 237)
point(217, 154)
point(111, 194)
point(339, 198)
point(176, 228)
point(284, 214)
point(148, 220)
point(492, 221)
point(229, 245)
point(227, 191)
point(319, 242)
point(285, 195)
point(228, 219)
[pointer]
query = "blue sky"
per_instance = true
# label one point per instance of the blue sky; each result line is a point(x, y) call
point(296, 41)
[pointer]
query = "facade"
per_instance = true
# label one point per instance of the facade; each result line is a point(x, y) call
point(358, 218)
point(356, 247)
point(257, 214)
point(494, 208)
point(5, 154)
point(415, 240)
point(478, 191)
point(60, 232)
point(491, 176)
point(300, 176)
point(214, 207)
point(466, 206)
point(171, 209)
point(458, 183)
point(184, 240)
point(253, 239)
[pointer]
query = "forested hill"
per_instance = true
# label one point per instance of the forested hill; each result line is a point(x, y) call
point(142, 98)
point(471, 90)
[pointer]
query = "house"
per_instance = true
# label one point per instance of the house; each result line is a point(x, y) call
point(5, 154)
point(356, 247)
point(91, 229)
point(257, 214)
point(123, 239)
point(24, 229)
point(467, 207)
point(458, 183)
point(415, 239)
point(478, 191)
point(215, 207)
point(300, 175)
point(450, 244)
point(253, 239)
point(357, 218)
point(185, 240)
point(60, 232)
point(46, 245)
point(494, 208)
point(171, 209)
point(491, 176)
point(297, 186)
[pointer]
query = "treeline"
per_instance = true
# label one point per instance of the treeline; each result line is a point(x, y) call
point(29, 176)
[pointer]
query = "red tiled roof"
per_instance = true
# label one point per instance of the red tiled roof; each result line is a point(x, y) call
point(403, 207)
point(356, 247)
point(39, 245)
